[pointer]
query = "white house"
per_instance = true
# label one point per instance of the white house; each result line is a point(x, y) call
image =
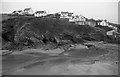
point(28, 11)
point(70, 15)
point(104, 23)
point(98, 22)
point(113, 33)
point(40, 13)
point(78, 19)
point(82, 18)
point(17, 12)
point(66, 15)
point(110, 32)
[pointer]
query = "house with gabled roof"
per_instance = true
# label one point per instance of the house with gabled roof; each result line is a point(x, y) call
point(78, 19)
point(64, 15)
point(98, 21)
point(40, 13)
point(104, 23)
point(67, 15)
point(70, 14)
point(27, 11)
point(17, 12)
point(113, 34)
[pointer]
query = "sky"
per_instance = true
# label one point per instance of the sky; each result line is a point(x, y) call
point(97, 9)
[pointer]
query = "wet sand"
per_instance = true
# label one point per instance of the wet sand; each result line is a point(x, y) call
point(76, 62)
point(64, 66)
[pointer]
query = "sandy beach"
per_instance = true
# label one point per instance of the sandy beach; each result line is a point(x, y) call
point(41, 62)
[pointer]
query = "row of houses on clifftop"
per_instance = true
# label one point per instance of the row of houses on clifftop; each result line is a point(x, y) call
point(26, 11)
point(77, 19)
point(29, 11)
point(81, 20)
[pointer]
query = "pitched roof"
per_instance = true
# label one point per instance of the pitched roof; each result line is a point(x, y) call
point(26, 9)
point(81, 16)
point(90, 20)
point(13, 11)
point(40, 12)
point(98, 20)
point(17, 11)
point(70, 13)
point(64, 12)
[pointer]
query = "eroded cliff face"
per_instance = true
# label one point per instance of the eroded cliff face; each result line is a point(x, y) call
point(23, 32)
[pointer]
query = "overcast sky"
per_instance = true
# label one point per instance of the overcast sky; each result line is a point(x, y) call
point(94, 9)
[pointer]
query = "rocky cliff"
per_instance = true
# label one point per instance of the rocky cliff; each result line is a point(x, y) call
point(23, 32)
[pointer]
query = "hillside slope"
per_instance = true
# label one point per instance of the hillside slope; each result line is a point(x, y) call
point(32, 31)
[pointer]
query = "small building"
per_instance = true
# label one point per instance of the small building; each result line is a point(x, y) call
point(104, 23)
point(66, 15)
point(91, 22)
point(80, 22)
point(28, 11)
point(57, 15)
point(78, 19)
point(98, 22)
point(40, 13)
point(17, 12)
point(70, 15)
point(113, 34)
point(110, 32)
